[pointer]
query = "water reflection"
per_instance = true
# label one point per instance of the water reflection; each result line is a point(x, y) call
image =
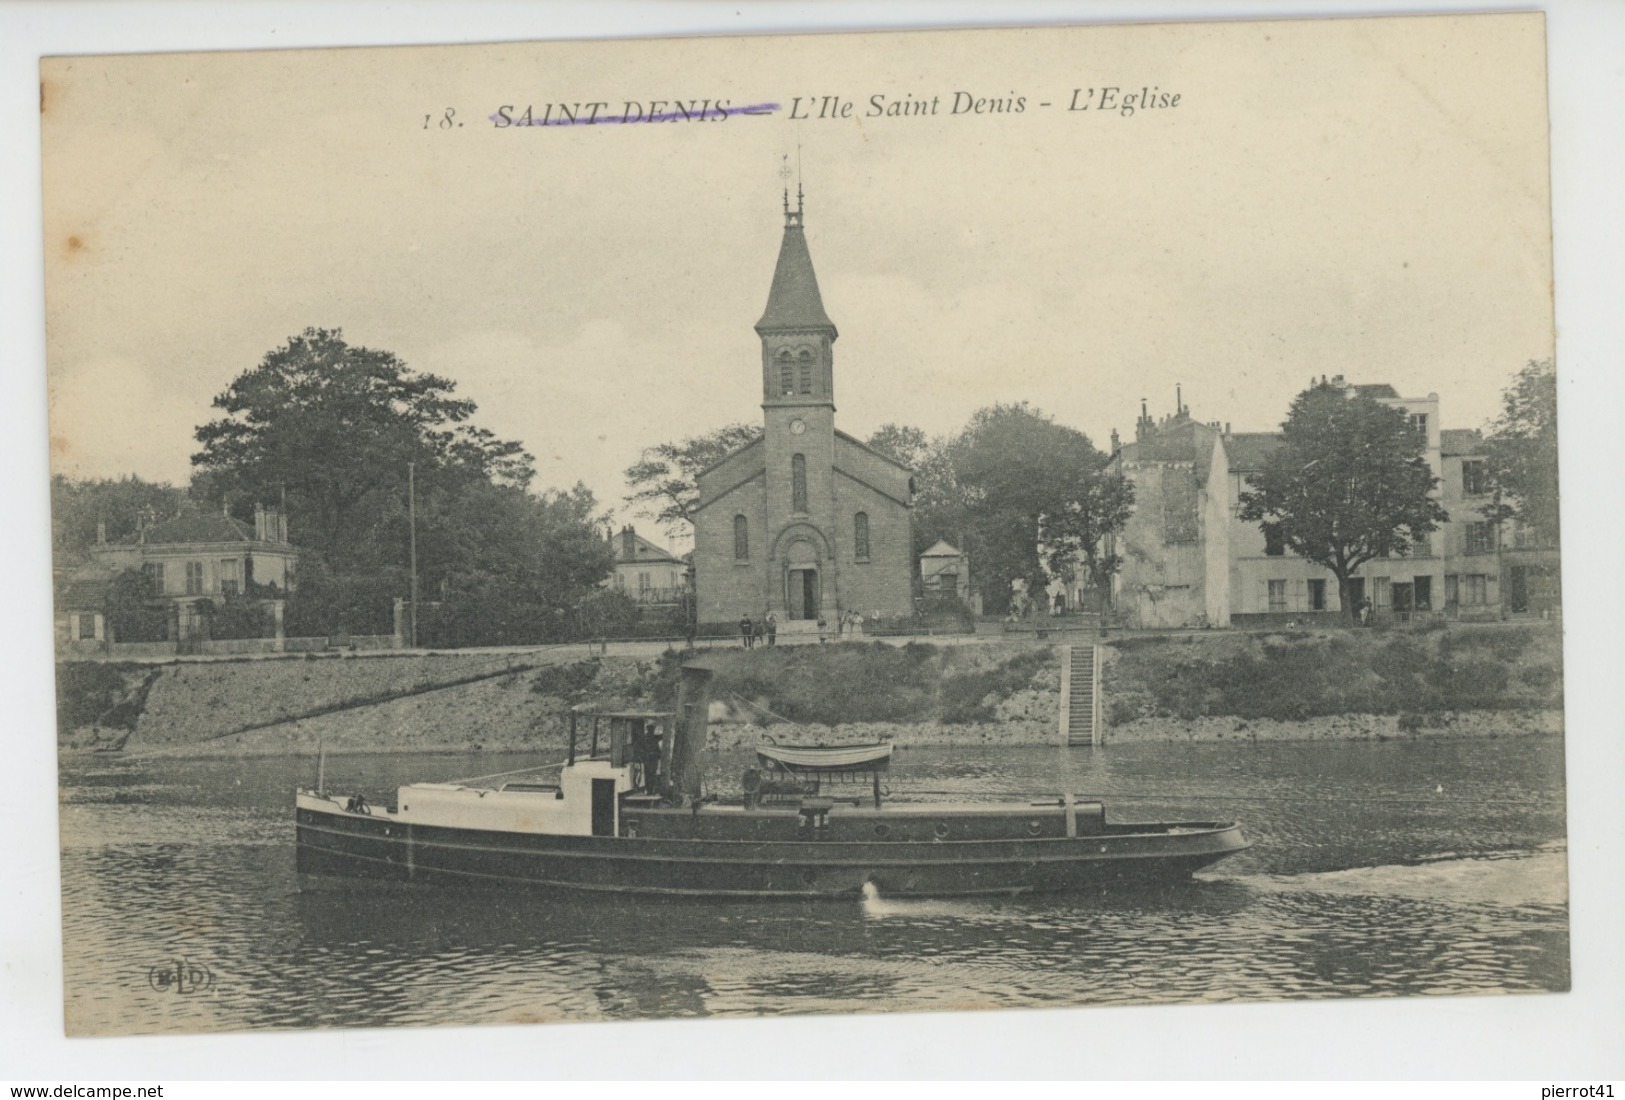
point(1364, 880)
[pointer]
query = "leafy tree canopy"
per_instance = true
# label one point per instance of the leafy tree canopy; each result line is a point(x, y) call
point(1098, 507)
point(1522, 446)
point(903, 442)
point(994, 488)
point(334, 426)
point(663, 479)
point(118, 505)
point(1348, 483)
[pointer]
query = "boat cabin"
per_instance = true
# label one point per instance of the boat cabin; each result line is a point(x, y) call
point(641, 741)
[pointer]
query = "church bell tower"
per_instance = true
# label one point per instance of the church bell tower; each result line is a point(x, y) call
point(798, 409)
point(797, 335)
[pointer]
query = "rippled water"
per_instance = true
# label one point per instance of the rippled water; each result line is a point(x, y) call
point(1378, 869)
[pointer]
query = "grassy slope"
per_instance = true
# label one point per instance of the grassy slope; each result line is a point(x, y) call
point(1289, 676)
point(1297, 675)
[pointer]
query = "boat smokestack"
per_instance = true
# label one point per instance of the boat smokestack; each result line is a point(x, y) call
point(693, 716)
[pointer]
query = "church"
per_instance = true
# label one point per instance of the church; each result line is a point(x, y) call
point(806, 522)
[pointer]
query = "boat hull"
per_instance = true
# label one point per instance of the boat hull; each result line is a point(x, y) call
point(379, 847)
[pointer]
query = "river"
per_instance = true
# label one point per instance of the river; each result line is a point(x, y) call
point(1378, 869)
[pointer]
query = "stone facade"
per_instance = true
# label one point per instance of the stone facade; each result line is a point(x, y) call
point(807, 521)
point(1188, 559)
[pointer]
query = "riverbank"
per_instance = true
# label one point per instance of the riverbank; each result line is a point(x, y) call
point(1345, 727)
point(1222, 686)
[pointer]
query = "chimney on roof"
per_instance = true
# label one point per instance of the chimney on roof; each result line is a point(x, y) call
point(1179, 399)
point(1143, 426)
point(1116, 445)
point(259, 522)
point(1227, 427)
point(629, 543)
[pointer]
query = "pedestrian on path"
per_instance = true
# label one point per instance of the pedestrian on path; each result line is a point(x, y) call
point(772, 629)
point(747, 631)
point(823, 626)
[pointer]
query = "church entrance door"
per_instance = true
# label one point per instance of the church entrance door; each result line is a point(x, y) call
point(803, 596)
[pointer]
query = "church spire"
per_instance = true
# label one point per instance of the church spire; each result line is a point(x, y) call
point(794, 301)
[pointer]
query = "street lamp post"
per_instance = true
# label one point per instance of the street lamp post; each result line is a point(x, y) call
point(412, 523)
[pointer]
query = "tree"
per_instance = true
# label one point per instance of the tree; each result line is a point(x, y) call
point(1348, 484)
point(663, 479)
point(333, 427)
point(996, 483)
point(118, 506)
point(1098, 507)
point(1522, 449)
point(525, 564)
point(130, 609)
point(903, 442)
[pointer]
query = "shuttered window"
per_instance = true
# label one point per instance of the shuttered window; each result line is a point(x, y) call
point(1278, 595)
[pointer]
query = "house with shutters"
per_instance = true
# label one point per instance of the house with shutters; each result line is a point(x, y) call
point(648, 573)
point(193, 564)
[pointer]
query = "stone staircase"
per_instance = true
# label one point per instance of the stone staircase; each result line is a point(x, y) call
point(1081, 718)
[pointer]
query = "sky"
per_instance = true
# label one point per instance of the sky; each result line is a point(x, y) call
point(1366, 198)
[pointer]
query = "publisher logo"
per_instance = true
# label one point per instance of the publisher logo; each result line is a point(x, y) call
point(180, 976)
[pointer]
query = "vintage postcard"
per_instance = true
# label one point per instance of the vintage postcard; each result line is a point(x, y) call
point(881, 522)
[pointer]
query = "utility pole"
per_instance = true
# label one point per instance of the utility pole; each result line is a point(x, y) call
point(412, 523)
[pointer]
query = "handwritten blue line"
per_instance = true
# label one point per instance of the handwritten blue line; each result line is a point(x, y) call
point(670, 116)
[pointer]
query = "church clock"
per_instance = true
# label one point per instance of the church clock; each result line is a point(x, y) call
point(797, 426)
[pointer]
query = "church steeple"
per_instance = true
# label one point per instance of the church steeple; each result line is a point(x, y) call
point(797, 335)
point(794, 301)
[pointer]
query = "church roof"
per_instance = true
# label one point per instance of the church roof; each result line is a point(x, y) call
point(794, 301)
point(861, 445)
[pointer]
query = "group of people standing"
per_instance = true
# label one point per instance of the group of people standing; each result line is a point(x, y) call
point(751, 632)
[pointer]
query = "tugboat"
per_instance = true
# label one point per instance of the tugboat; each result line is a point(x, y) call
point(627, 815)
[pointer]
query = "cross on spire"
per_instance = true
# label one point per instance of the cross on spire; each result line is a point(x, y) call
point(792, 217)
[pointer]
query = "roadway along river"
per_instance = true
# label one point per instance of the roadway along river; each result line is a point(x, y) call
point(1432, 866)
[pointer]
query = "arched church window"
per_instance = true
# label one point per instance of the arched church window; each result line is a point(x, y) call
point(798, 483)
point(860, 536)
point(787, 373)
point(806, 371)
point(741, 538)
